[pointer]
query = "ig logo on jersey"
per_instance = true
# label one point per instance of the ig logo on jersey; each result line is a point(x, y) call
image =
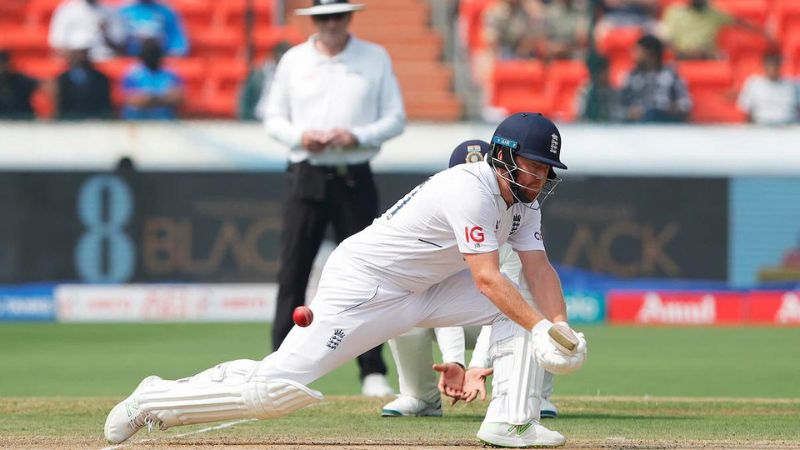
point(474, 234)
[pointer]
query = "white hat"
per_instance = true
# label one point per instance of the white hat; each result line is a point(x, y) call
point(323, 7)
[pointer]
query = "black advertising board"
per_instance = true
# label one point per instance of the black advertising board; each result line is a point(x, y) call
point(640, 227)
point(224, 227)
point(147, 227)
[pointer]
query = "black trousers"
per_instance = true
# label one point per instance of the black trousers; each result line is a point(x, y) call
point(345, 197)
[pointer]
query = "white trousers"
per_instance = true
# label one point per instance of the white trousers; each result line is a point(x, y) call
point(413, 358)
point(354, 312)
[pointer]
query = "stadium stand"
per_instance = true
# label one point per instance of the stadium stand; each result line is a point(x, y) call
point(550, 88)
point(217, 64)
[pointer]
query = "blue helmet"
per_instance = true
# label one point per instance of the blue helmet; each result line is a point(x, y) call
point(531, 136)
point(469, 151)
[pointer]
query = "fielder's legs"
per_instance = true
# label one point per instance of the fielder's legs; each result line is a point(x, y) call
point(419, 393)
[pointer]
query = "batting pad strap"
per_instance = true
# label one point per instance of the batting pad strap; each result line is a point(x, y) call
point(278, 397)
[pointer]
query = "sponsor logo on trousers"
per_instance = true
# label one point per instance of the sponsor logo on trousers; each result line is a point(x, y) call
point(655, 310)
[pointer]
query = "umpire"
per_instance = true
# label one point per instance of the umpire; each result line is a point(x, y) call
point(334, 101)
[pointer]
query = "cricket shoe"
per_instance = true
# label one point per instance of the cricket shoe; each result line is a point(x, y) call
point(532, 434)
point(127, 418)
point(408, 406)
point(547, 410)
point(376, 385)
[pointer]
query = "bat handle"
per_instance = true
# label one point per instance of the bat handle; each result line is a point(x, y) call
point(564, 338)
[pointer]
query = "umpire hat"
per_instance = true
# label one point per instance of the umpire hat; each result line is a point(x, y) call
point(531, 136)
point(325, 7)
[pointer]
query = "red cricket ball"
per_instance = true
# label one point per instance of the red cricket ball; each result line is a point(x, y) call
point(302, 316)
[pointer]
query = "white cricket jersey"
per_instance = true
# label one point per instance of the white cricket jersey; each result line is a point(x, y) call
point(419, 241)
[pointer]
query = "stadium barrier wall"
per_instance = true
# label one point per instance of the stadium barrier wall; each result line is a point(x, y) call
point(27, 304)
point(157, 227)
point(704, 308)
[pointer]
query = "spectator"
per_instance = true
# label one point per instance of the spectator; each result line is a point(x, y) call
point(87, 16)
point(626, 13)
point(255, 92)
point(146, 19)
point(652, 92)
point(598, 100)
point(151, 92)
point(16, 91)
point(770, 98)
point(566, 29)
point(334, 101)
point(691, 30)
point(513, 29)
point(82, 92)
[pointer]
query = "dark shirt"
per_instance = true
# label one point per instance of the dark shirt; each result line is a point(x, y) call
point(16, 90)
point(655, 91)
point(84, 94)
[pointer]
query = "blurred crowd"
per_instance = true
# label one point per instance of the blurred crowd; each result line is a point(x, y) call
point(649, 88)
point(645, 87)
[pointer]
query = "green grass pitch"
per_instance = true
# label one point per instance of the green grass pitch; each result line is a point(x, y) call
point(640, 387)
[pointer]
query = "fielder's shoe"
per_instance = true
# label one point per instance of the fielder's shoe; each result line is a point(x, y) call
point(376, 385)
point(532, 434)
point(408, 406)
point(126, 418)
point(547, 409)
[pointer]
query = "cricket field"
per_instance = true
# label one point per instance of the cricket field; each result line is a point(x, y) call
point(640, 388)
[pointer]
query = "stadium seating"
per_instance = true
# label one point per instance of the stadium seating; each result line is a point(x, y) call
point(710, 84)
point(217, 65)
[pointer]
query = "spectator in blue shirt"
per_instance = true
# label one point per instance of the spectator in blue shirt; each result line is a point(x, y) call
point(149, 19)
point(151, 92)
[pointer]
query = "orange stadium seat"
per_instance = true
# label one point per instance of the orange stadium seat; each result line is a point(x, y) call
point(791, 53)
point(710, 84)
point(787, 16)
point(12, 12)
point(470, 14)
point(754, 11)
point(519, 85)
point(193, 12)
point(39, 12)
point(232, 13)
point(22, 40)
point(744, 49)
point(564, 80)
point(41, 68)
point(217, 42)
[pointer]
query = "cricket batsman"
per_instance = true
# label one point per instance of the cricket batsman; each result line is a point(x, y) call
point(419, 393)
point(430, 261)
